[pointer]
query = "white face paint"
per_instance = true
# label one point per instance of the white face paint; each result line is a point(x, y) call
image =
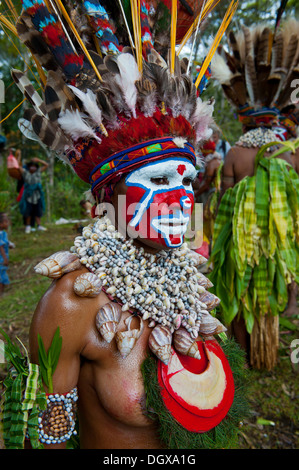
point(167, 185)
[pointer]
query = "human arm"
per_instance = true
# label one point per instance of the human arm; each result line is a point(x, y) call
point(208, 178)
point(227, 172)
point(60, 307)
point(42, 162)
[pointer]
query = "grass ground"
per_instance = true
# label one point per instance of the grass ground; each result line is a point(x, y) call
point(274, 396)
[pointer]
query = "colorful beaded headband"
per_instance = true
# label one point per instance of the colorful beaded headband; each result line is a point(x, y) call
point(247, 115)
point(128, 159)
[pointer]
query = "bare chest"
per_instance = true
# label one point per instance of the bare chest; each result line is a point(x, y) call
point(116, 383)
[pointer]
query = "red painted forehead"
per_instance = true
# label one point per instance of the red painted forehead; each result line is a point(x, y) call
point(181, 169)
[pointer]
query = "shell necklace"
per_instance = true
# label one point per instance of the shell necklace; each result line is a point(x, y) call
point(257, 138)
point(165, 288)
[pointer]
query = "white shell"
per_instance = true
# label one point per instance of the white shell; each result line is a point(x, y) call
point(107, 320)
point(185, 344)
point(58, 264)
point(126, 340)
point(210, 325)
point(210, 300)
point(177, 321)
point(203, 280)
point(160, 343)
point(87, 285)
point(197, 258)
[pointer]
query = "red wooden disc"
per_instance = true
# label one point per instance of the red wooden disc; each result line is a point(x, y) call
point(189, 416)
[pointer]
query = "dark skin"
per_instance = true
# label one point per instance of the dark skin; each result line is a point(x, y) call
point(209, 176)
point(110, 388)
point(111, 405)
point(239, 163)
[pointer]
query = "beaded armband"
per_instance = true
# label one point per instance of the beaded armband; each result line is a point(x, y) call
point(57, 422)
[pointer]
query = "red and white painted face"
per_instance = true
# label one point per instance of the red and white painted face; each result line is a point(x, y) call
point(160, 200)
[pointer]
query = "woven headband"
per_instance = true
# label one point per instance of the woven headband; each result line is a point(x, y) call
point(264, 115)
point(130, 158)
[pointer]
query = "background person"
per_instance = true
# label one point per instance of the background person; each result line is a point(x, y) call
point(32, 203)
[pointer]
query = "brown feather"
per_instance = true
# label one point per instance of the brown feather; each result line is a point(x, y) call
point(239, 87)
point(64, 95)
point(50, 134)
point(290, 52)
point(32, 39)
point(248, 42)
point(29, 91)
point(286, 91)
point(271, 89)
point(262, 47)
point(262, 80)
point(231, 95)
point(277, 53)
point(235, 49)
point(251, 79)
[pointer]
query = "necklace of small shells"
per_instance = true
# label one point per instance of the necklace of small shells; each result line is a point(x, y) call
point(165, 288)
point(257, 138)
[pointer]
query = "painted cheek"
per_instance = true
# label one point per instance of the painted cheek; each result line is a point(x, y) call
point(133, 197)
point(173, 200)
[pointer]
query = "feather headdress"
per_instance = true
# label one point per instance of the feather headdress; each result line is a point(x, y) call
point(108, 106)
point(258, 69)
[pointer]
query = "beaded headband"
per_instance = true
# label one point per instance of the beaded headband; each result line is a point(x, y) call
point(248, 115)
point(128, 159)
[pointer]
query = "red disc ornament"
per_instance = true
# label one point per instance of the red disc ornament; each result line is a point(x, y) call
point(188, 10)
point(197, 392)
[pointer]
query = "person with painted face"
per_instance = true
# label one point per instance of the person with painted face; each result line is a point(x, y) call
point(139, 348)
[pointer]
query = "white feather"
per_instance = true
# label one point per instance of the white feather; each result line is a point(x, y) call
point(202, 119)
point(26, 129)
point(179, 142)
point(203, 108)
point(89, 197)
point(72, 124)
point(149, 105)
point(129, 74)
point(90, 104)
point(220, 70)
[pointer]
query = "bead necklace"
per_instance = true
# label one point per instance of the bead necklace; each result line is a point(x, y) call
point(164, 287)
point(257, 138)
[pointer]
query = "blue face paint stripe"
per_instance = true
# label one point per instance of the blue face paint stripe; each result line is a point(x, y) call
point(159, 191)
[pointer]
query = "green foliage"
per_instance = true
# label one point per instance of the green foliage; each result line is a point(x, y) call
point(23, 398)
point(66, 193)
point(255, 241)
point(7, 190)
point(48, 361)
point(223, 436)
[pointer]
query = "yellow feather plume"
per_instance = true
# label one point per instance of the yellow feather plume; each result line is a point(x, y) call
point(226, 21)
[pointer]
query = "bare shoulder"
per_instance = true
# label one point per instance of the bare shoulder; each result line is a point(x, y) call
point(61, 307)
point(287, 156)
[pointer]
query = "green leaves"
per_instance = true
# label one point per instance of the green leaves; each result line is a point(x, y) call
point(48, 361)
point(255, 249)
point(23, 398)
